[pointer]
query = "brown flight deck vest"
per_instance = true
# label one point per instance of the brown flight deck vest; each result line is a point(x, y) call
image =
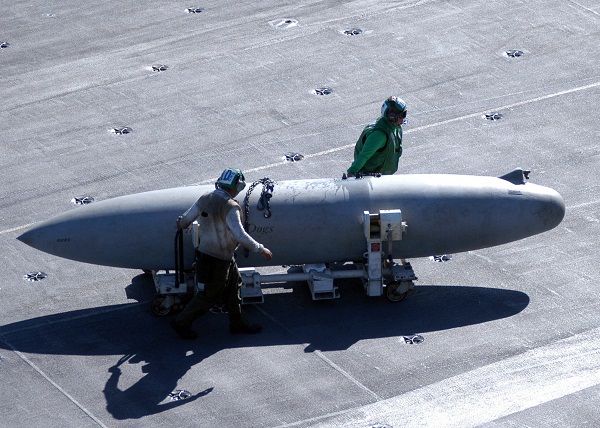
point(215, 238)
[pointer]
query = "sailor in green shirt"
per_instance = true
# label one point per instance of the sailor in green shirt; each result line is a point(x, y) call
point(379, 147)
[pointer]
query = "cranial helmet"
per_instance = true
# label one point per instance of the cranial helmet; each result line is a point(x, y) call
point(231, 178)
point(393, 108)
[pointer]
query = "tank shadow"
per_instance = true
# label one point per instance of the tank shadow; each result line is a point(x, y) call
point(133, 335)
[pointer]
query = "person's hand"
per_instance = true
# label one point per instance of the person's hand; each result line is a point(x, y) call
point(267, 254)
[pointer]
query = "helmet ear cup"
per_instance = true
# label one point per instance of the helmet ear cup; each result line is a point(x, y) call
point(240, 185)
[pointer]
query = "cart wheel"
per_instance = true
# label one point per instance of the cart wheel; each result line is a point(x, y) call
point(158, 309)
point(390, 292)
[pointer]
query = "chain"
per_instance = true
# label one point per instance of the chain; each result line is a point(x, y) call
point(263, 202)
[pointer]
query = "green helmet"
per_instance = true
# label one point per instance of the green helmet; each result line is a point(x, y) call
point(394, 108)
point(231, 178)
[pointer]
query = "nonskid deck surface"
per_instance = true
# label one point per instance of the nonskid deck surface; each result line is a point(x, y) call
point(116, 98)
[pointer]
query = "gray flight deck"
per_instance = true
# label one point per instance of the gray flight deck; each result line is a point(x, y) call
point(511, 334)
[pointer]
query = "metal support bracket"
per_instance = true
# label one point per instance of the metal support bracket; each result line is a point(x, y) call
point(164, 283)
point(320, 282)
point(384, 226)
point(250, 291)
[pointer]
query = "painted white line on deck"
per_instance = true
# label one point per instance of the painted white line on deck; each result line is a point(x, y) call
point(322, 356)
point(431, 125)
point(419, 128)
point(14, 229)
point(54, 384)
point(485, 394)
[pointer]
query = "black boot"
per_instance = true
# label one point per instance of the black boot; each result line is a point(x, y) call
point(245, 328)
point(184, 332)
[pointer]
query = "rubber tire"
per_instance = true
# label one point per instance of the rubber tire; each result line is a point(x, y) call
point(390, 292)
point(156, 308)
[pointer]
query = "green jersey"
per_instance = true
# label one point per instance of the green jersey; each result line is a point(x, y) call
point(378, 149)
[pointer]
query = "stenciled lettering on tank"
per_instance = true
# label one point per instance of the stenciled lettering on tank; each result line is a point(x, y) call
point(260, 230)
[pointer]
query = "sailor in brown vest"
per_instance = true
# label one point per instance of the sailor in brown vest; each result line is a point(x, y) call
point(220, 231)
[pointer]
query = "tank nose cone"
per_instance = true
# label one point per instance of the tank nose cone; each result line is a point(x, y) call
point(27, 238)
point(553, 211)
point(41, 237)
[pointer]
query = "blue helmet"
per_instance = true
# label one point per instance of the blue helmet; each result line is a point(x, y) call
point(394, 108)
point(231, 178)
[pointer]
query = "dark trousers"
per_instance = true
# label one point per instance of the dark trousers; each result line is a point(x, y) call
point(222, 282)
